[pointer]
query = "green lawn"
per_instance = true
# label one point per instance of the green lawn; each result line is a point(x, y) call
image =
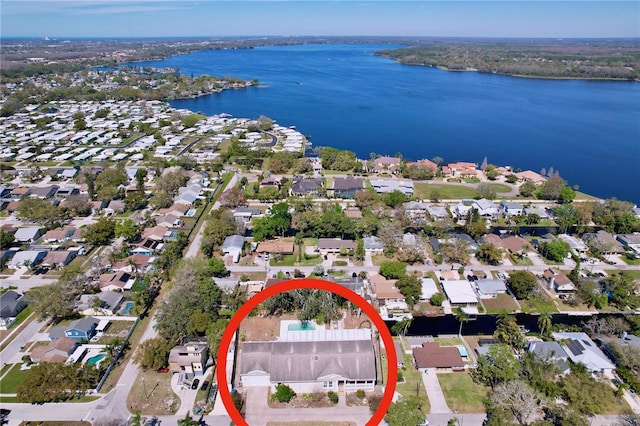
point(310, 262)
point(500, 188)
point(423, 190)
point(522, 261)
point(496, 305)
point(411, 380)
point(287, 260)
point(15, 376)
point(449, 341)
point(628, 261)
point(539, 305)
point(461, 393)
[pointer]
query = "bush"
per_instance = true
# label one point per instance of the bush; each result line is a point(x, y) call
point(340, 263)
point(360, 393)
point(437, 299)
point(284, 393)
point(333, 397)
point(400, 377)
point(393, 270)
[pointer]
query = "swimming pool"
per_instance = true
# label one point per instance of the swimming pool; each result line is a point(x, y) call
point(302, 326)
point(95, 359)
point(128, 307)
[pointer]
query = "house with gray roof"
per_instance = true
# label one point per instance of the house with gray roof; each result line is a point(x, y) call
point(309, 366)
point(28, 234)
point(245, 214)
point(11, 304)
point(373, 244)
point(103, 303)
point(551, 352)
point(347, 187)
point(511, 208)
point(581, 349)
point(490, 288)
point(438, 212)
point(82, 329)
point(233, 245)
point(29, 258)
point(309, 186)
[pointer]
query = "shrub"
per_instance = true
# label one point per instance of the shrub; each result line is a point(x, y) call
point(400, 377)
point(340, 263)
point(437, 299)
point(333, 397)
point(360, 393)
point(284, 393)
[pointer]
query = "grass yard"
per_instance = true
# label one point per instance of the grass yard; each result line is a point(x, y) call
point(540, 305)
point(503, 302)
point(461, 393)
point(153, 396)
point(287, 260)
point(13, 379)
point(311, 261)
point(20, 319)
point(628, 261)
point(500, 188)
point(448, 341)
point(379, 259)
point(411, 379)
point(447, 192)
point(521, 261)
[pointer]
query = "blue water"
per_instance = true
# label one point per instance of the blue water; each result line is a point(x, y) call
point(303, 326)
point(344, 96)
point(128, 306)
point(95, 359)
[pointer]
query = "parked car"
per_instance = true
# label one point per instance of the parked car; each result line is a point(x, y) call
point(298, 275)
point(195, 384)
point(162, 370)
point(205, 385)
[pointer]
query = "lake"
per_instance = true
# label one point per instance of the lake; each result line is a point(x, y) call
point(344, 96)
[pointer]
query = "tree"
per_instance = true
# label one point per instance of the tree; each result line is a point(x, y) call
point(497, 366)
point(57, 301)
point(527, 188)
point(39, 211)
point(284, 393)
point(555, 250)
point(52, 382)
point(217, 267)
point(461, 317)
point(188, 420)
point(599, 397)
point(126, 229)
point(551, 188)
point(485, 190)
point(232, 198)
point(474, 224)
point(394, 199)
point(411, 255)
point(489, 253)
point(436, 299)
point(406, 411)
point(170, 182)
point(400, 327)
point(566, 216)
point(393, 270)
point(516, 397)
point(6, 239)
point(366, 199)
point(108, 181)
point(411, 288)
point(567, 194)
point(456, 251)
point(522, 283)
point(218, 227)
point(508, 332)
point(135, 200)
point(191, 119)
point(276, 222)
point(152, 354)
point(544, 323)
point(100, 233)
point(161, 200)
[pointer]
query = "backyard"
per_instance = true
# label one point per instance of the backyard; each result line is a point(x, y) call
point(503, 302)
point(151, 394)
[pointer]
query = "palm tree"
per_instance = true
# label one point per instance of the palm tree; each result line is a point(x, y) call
point(461, 317)
point(400, 328)
point(544, 323)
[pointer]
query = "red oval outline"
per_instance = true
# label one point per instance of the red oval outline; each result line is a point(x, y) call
point(251, 304)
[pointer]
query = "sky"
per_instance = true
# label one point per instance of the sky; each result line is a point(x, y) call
point(474, 18)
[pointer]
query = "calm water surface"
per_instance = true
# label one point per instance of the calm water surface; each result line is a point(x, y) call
point(344, 96)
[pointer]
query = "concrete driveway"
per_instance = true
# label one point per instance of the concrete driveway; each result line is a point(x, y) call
point(434, 391)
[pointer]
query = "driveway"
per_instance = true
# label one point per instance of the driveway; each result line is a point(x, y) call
point(434, 392)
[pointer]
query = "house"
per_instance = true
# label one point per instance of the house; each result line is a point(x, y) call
point(425, 163)
point(459, 292)
point(233, 245)
point(11, 304)
point(6, 255)
point(486, 208)
point(59, 235)
point(432, 355)
point(319, 365)
point(574, 243)
point(118, 281)
point(551, 352)
point(275, 246)
point(429, 288)
point(175, 209)
point(270, 183)
point(27, 235)
point(511, 208)
point(387, 294)
point(543, 214)
point(630, 242)
point(29, 258)
point(58, 258)
point(558, 281)
point(460, 169)
point(310, 186)
point(147, 247)
point(415, 211)
point(603, 242)
point(157, 233)
point(43, 192)
point(170, 221)
point(244, 214)
point(186, 198)
point(347, 187)
point(532, 176)
point(490, 288)
point(189, 359)
point(386, 164)
point(581, 349)
point(133, 264)
point(115, 207)
point(331, 245)
point(55, 352)
point(462, 208)
point(66, 191)
point(385, 186)
point(373, 244)
point(103, 303)
point(353, 212)
point(438, 212)
point(82, 329)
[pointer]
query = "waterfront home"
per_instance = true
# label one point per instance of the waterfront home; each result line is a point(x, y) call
point(459, 292)
point(559, 282)
point(429, 288)
point(582, 350)
point(488, 288)
point(542, 213)
point(551, 352)
point(603, 242)
point(574, 243)
point(324, 364)
point(306, 186)
point(442, 358)
point(425, 163)
point(532, 176)
point(386, 164)
point(511, 208)
point(387, 294)
point(460, 169)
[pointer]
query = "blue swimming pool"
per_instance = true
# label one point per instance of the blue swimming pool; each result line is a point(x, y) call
point(303, 326)
point(128, 307)
point(95, 359)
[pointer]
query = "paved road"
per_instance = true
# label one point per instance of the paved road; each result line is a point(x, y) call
point(13, 352)
point(434, 392)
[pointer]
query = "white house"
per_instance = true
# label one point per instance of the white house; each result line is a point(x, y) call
point(581, 349)
point(232, 245)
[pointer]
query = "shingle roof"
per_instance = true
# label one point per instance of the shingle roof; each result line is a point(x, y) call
point(432, 355)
